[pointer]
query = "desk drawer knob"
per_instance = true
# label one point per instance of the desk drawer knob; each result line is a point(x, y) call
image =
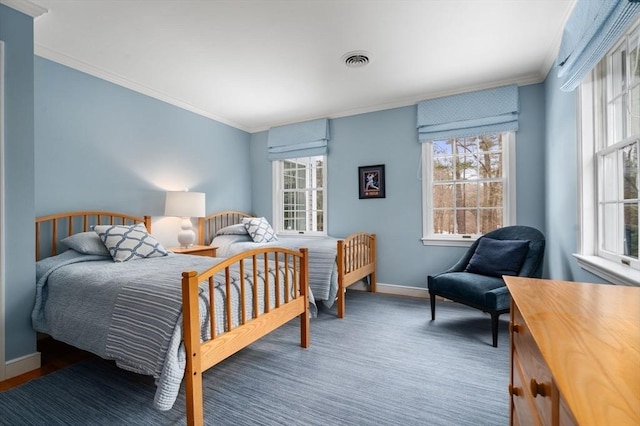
point(516, 328)
point(515, 391)
point(538, 388)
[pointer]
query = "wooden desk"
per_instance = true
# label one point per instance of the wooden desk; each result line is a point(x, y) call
point(575, 353)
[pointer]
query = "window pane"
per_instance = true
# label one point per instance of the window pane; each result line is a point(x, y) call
point(443, 168)
point(634, 109)
point(609, 227)
point(634, 57)
point(467, 221)
point(491, 194)
point(609, 177)
point(442, 148)
point(443, 196)
point(490, 219)
point(443, 221)
point(491, 143)
point(466, 167)
point(465, 146)
point(617, 79)
point(617, 114)
point(467, 195)
point(630, 166)
point(631, 230)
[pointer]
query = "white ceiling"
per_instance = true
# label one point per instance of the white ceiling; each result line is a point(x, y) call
point(256, 64)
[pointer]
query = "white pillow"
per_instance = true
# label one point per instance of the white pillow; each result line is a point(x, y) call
point(129, 242)
point(259, 229)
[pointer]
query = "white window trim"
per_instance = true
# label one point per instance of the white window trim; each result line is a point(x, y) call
point(276, 179)
point(509, 213)
point(587, 250)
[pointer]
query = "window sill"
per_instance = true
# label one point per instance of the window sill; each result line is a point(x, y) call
point(608, 270)
point(448, 242)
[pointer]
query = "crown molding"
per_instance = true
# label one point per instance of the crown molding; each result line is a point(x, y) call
point(26, 7)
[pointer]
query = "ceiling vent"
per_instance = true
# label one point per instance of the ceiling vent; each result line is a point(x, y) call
point(356, 59)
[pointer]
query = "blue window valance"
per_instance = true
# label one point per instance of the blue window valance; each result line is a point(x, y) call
point(592, 29)
point(298, 140)
point(469, 114)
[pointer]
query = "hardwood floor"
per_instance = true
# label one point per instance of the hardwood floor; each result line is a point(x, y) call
point(55, 355)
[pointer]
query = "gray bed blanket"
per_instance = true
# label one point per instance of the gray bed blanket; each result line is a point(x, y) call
point(130, 312)
point(323, 272)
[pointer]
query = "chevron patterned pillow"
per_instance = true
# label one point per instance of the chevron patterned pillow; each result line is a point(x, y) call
point(259, 229)
point(129, 242)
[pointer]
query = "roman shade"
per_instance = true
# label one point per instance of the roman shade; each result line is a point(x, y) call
point(469, 114)
point(304, 139)
point(592, 29)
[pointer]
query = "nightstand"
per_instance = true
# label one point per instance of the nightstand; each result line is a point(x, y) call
point(196, 250)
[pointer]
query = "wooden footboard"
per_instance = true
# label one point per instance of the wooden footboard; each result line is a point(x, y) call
point(356, 260)
point(356, 255)
point(285, 297)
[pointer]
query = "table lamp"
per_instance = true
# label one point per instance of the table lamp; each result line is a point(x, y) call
point(186, 205)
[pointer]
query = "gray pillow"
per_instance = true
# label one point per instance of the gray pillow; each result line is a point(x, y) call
point(237, 229)
point(85, 243)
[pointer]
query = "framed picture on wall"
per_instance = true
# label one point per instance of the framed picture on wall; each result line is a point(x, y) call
point(371, 181)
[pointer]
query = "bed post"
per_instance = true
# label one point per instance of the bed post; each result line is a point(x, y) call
point(372, 278)
point(341, 272)
point(304, 292)
point(191, 336)
point(147, 223)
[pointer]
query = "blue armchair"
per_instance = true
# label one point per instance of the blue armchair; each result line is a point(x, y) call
point(476, 279)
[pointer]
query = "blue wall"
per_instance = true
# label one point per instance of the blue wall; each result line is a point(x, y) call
point(101, 146)
point(16, 30)
point(389, 137)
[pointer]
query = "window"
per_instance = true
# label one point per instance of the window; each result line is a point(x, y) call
point(610, 111)
point(466, 187)
point(299, 198)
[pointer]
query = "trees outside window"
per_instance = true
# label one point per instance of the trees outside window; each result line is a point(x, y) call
point(466, 186)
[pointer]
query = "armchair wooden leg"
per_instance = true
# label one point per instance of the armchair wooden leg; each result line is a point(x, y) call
point(494, 328)
point(432, 299)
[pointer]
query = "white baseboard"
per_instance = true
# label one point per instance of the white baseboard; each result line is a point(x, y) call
point(24, 364)
point(399, 290)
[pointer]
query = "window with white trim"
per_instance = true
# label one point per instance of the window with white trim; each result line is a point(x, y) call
point(467, 187)
point(610, 152)
point(300, 195)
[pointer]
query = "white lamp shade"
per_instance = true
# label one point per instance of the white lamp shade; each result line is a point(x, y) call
point(185, 204)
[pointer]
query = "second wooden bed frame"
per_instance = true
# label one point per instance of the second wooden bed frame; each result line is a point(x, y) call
point(292, 283)
point(356, 255)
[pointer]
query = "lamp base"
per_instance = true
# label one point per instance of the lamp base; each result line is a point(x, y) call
point(186, 236)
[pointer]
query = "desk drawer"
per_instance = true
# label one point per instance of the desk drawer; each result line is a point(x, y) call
point(525, 412)
point(536, 376)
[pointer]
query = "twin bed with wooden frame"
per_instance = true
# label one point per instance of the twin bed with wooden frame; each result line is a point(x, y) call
point(270, 283)
point(355, 259)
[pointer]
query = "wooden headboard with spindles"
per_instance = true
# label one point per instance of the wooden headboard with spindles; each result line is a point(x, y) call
point(52, 228)
point(209, 225)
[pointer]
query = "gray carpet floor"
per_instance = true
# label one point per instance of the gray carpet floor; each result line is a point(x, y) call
point(386, 363)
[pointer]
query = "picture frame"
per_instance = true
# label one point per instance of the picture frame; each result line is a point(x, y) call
point(371, 182)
